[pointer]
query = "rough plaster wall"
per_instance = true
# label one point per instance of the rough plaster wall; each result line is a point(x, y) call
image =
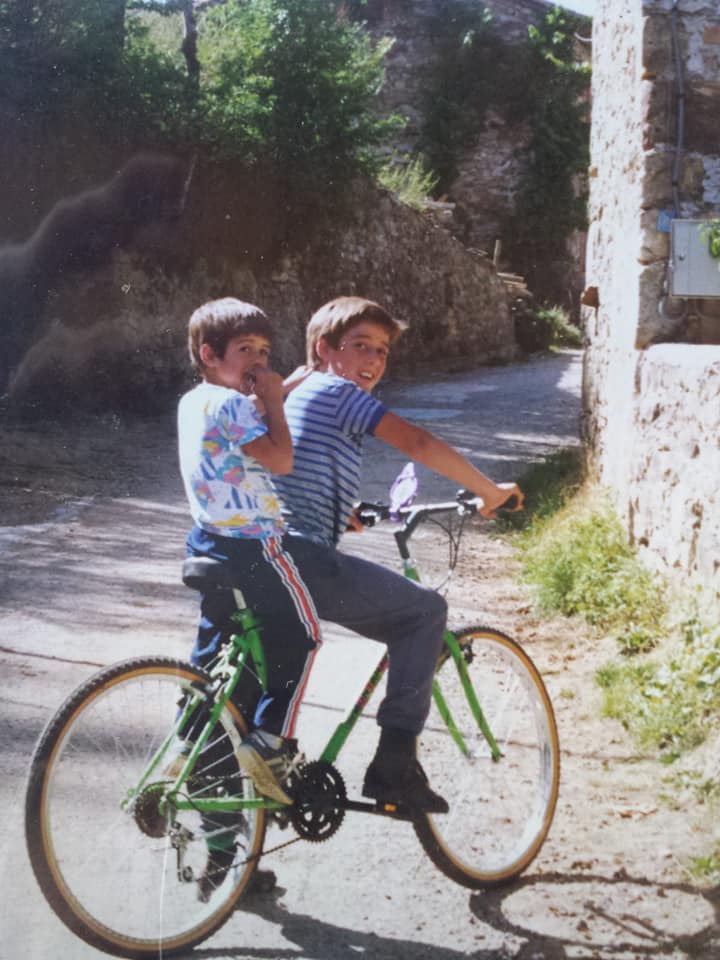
point(613, 235)
point(675, 463)
point(652, 408)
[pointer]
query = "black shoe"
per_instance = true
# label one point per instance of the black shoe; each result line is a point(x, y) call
point(406, 787)
point(216, 869)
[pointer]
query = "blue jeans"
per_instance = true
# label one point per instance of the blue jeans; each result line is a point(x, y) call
point(290, 632)
point(382, 605)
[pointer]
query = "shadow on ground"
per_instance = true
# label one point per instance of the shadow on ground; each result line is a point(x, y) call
point(604, 916)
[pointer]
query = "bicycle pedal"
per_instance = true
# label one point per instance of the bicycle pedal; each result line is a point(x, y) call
point(398, 811)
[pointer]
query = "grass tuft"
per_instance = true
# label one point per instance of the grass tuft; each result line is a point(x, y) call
point(409, 180)
point(671, 701)
point(563, 330)
point(579, 563)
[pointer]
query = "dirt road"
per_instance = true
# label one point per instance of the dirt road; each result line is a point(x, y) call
point(90, 549)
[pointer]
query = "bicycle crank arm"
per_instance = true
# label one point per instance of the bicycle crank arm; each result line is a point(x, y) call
point(393, 810)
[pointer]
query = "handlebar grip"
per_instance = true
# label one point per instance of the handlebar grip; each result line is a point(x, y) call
point(511, 503)
point(369, 513)
point(367, 518)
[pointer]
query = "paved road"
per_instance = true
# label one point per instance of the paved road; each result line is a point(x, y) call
point(101, 583)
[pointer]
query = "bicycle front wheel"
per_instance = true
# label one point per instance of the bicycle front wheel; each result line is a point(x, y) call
point(120, 869)
point(500, 809)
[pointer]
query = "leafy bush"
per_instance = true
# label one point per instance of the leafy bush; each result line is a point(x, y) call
point(295, 85)
point(580, 563)
point(669, 702)
point(563, 331)
point(290, 84)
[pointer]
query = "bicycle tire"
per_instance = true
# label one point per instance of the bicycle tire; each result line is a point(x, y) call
point(111, 875)
point(500, 811)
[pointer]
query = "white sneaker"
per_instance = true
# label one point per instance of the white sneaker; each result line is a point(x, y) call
point(268, 760)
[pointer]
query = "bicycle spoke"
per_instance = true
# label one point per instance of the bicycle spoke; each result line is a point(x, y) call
point(500, 810)
point(102, 860)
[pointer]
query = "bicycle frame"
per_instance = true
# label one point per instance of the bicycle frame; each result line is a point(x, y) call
point(247, 644)
point(343, 730)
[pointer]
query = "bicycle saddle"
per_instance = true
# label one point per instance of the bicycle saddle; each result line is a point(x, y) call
point(204, 573)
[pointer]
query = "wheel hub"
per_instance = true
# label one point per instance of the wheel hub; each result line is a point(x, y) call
point(147, 811)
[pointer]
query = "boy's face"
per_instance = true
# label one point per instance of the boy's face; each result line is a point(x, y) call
point(361, 356)
point(243, 354)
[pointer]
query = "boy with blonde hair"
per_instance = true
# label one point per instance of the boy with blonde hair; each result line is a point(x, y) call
point(329, 410)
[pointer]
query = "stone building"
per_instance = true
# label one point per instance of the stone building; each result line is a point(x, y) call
point(491, 166)
point(652, 314)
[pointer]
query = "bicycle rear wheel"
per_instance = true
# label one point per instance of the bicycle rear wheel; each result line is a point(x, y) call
point(116, 868)
point(500, 810)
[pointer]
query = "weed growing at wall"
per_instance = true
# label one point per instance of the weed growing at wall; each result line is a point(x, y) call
point(669, 701)
point(409, 180)
point(579, 563)
point(548, 486)
point(665, 686)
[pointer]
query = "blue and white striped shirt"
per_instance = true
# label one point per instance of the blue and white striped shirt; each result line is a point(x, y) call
point(328, 417)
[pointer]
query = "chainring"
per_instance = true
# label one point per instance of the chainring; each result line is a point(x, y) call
point(319, 795)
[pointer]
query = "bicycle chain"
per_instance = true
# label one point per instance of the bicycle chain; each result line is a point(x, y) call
point(319, 774)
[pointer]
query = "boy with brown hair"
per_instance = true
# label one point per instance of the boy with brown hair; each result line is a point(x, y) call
point(329, 410)
point(227, 454)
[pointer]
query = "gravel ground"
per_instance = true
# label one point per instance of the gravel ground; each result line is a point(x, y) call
point(90, 546)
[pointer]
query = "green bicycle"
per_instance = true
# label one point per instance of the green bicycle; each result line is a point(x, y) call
point(135, 778)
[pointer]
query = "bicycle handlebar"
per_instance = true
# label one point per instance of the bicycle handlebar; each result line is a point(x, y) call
point(466, 503)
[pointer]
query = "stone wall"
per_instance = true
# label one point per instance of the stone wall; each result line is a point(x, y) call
point(652, 372)
point(117, 337)
point(490, 169)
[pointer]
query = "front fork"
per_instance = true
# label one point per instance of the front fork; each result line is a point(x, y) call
point(410, 570)
point(456, 652)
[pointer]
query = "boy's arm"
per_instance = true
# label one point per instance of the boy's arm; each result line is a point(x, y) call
point(274, 449)
point(425, 448)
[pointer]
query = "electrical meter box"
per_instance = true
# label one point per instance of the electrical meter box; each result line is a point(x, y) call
point(693, 271)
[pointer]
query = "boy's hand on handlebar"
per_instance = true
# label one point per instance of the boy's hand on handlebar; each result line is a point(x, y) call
point(505, 492)
point(355, 524)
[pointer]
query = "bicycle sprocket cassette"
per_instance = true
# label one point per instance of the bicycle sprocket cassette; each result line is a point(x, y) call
point(319, 795)
point(147, 811)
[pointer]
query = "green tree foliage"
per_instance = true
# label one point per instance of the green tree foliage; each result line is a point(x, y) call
point(549, 205)
point(292, 84)
point(48, 48)
point(65, 62)
point(461, 86)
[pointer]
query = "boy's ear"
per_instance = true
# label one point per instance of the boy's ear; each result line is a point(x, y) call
point(207, 355)
point(321, 349)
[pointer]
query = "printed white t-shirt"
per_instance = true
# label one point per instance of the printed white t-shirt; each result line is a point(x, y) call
point(229, 492)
